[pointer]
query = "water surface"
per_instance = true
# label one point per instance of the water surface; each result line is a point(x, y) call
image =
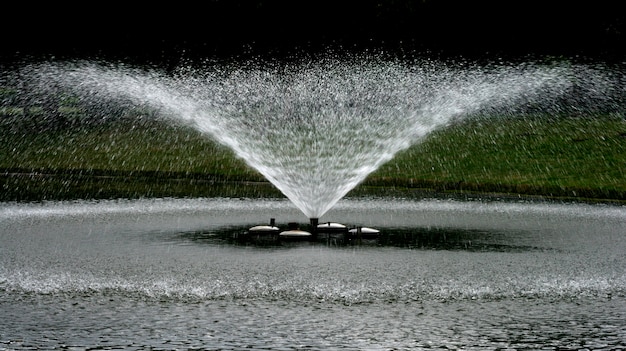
point(161, 274)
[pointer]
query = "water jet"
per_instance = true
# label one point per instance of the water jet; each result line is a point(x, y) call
point(316, 129)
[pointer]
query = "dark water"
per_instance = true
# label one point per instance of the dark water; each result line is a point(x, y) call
point(163, 274)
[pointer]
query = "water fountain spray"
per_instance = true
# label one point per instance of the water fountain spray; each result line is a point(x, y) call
point(316, 130)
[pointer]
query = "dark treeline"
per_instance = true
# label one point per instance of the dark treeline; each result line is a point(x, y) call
point(175, 30)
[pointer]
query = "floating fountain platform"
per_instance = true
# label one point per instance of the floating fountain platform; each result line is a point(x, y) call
point(315, 232)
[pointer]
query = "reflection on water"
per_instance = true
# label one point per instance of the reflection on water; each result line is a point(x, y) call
point(428, 238)
point(168, 274)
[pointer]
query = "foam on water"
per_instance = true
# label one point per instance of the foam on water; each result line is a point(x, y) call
point(154, 206)
point(150, 206)
point(135, 248)
point(316, 129)
point(322, 275)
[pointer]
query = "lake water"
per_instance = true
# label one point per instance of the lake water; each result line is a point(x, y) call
point(163, 274)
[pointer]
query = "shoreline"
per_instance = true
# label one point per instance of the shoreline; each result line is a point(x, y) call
point(24, 185)
point(563, 158)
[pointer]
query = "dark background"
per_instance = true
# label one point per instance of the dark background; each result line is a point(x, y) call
point(167, 32)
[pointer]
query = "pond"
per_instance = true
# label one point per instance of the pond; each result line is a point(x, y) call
point(166, 274)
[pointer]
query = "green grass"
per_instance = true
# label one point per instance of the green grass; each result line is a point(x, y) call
point(560, 156)
point(581, 157)
point(120, 159)
point(121, 147)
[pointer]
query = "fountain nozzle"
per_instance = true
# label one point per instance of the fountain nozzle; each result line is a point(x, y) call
point(314, 222)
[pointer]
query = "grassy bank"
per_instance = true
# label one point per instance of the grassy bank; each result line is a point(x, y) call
point(578, 157)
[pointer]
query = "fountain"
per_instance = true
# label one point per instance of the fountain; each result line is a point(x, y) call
point(316, 129)
point(155, 272)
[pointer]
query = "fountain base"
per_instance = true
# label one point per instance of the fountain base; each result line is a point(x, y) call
point(324, 232)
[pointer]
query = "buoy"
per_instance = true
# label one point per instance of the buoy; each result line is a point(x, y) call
point(263, 228)
point(331, 225)
point(364, 230)
point(259, 229)
point(295, 234)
